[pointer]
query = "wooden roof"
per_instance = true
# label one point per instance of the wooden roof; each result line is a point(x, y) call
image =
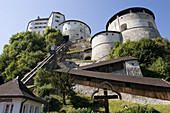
point(120, 78)
point(16, 89)
point(107, 62)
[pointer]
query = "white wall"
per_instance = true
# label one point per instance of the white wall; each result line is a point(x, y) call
point(17, 104)
point(132, 20)
point(76, 30)
point(37, 26)
point(133, 68)
point(103, 43)
point(55, 19)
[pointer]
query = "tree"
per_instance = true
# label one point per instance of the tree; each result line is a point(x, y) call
point(147, 51)
point(65, 83)
point(161, 67)
point(24, 51)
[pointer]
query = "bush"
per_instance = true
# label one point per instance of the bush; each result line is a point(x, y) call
point(140, 109)
point(80, 102)
point(83, 110)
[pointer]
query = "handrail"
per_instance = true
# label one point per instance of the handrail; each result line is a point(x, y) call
point(29, 75)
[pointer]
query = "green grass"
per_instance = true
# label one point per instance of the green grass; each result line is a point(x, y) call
point(97, 106)
point(74, 50)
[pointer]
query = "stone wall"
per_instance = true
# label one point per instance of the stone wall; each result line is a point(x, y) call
point(136, 34)
point(80, 44)
point(133, 68)
point(87, 90)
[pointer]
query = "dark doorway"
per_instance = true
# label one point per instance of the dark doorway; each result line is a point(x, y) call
point(87, 58)
point(66, 38)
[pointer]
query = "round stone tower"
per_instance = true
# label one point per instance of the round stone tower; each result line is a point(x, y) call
point(102, 43)
point(75, 29)
point(134, 24)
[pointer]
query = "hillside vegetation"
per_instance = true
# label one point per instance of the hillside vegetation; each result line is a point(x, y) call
point(153, 55)
point(24, 51)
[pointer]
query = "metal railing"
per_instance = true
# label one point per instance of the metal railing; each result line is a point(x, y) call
point(32, 73)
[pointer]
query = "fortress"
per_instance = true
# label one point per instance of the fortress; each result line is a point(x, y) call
point(123, 73)
point(133, 23)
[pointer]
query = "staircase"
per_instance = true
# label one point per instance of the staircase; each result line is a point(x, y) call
point(40, 65)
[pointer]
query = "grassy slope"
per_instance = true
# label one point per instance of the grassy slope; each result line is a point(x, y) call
point(114, 105)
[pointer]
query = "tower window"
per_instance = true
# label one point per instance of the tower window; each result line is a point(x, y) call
point(150, 24)
point(56, 20)
point(57, 16)
point(65, 28)
point(81, 30)
point(123, 27)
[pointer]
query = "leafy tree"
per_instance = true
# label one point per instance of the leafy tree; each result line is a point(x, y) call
point(64, 83)
point(42, 77)
point(24, 51)
point(147, 51)
point(161, 67)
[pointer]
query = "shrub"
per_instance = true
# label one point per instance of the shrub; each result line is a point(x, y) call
point(140, 109)
point(83, 110)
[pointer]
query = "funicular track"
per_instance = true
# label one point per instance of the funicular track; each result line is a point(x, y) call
point(40, 65)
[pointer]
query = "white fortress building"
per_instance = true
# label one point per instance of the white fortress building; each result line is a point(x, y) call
point(40, 24)
point(74, 28)
point(132, 23)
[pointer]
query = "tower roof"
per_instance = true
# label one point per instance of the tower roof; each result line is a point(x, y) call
point(16, 89)
point(126, 11)
point(76, 21)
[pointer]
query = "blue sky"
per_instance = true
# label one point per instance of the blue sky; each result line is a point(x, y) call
point(15, 14)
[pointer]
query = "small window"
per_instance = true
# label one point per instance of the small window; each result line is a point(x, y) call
point(121, 17)
point(77, 34)
point(123, 27)
point(35, 27)
point(81, 30)
point(132, 64)
point(127, 85)
point(30, 27)
point(150, 24)
point(37, 109)
point(24, 109)
point(65, 28)
point(55, 26)
point(112, 34)
point(31, 109)
point(68, 22)
point(56, 20)
point(74, 22)
point(57, 16)
point(45, 22)
point(106, 33)
point(8, 108)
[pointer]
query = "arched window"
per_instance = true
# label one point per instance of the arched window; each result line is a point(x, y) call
point(150, 24)
point(123, 27)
